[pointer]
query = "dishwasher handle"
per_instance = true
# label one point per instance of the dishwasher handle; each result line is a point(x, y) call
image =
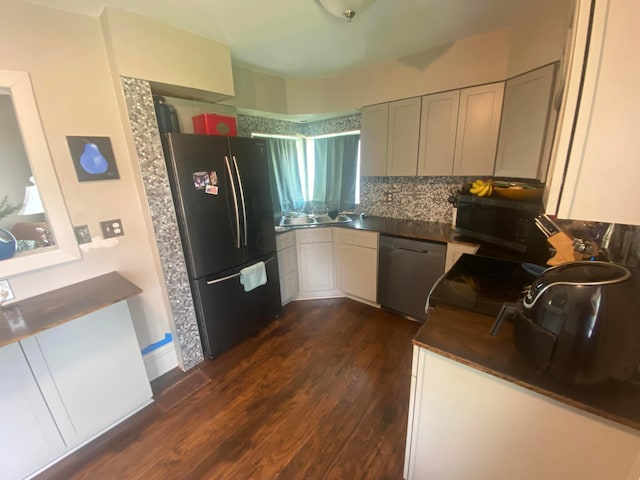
point(398, 247)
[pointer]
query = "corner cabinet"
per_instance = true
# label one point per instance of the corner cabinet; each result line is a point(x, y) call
point(478, 126)
point(316, 274)
point(525, 124)
point(357, 263)
point(465, 423)
point(595, 168)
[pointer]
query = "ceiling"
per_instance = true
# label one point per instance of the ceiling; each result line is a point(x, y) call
point(298, 38)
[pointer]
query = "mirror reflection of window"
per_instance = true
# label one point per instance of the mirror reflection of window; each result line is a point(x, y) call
point(22, 215)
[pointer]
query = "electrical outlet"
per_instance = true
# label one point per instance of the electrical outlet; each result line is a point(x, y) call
point(82, 234)
point(112, 228)
point(388, 196)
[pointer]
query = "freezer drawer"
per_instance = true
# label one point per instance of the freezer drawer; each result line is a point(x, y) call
point(407, 271)
point(227, 314)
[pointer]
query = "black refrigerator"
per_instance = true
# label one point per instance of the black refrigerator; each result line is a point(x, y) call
point(222, 197)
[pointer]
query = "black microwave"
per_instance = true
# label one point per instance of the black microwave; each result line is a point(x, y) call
point(503, 222)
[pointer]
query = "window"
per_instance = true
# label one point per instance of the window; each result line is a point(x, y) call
point(311, 172)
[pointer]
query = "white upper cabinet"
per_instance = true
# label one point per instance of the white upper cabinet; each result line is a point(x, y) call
point(597, 142)
point(404, 133)
point(438, 125)
point(525, 123)
point(478, 126)
point(374, 125)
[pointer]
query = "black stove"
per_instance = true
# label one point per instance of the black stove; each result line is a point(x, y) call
point(483, 284)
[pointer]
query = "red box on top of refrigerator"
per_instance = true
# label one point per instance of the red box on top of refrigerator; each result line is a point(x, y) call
point(212, 124)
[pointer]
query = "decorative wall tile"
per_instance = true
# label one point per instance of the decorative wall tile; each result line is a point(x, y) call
point(156, 183)
point(413, 198)
point(248, 124)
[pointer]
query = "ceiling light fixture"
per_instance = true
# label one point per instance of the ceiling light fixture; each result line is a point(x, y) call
point(344, 8)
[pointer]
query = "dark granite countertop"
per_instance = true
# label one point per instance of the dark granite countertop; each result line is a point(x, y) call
point(464, 337)
point(433, 232)
point(33, 315)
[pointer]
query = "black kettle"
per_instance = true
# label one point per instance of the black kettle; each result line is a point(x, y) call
point(579, 322)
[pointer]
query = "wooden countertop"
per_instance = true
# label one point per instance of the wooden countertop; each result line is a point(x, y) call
point(28, 317)
point(464, 337)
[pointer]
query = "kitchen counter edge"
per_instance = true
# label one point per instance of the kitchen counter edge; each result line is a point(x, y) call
point(464, 337)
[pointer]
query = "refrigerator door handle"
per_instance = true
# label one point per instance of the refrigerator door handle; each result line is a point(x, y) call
point(244, 209)
point(233, 275)
point(235, 201)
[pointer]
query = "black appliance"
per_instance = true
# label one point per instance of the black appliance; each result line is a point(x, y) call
point(483, 284)
point(579, 322)
point(504, 222)
point(222, 197)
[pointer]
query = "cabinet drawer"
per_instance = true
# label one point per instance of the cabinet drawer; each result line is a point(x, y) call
point(359, 238)
point(285, 240)
point(314, 235)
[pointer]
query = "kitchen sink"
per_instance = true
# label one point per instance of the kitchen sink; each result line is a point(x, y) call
point(311, 220)
point(286, 221)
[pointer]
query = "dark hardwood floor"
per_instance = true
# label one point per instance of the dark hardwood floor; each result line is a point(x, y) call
point(321, 393)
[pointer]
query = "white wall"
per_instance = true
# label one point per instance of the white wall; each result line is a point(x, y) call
point(66, 57)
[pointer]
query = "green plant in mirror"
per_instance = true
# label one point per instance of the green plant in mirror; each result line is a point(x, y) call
point(7, 208)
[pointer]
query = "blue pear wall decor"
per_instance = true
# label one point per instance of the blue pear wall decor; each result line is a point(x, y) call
point(93, 158)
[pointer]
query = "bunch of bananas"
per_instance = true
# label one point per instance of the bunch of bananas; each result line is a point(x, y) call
point(482, 188)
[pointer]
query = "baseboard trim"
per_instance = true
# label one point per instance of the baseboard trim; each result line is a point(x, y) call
point(160, 361)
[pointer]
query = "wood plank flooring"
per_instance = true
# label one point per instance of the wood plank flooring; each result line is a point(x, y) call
point(321, 393)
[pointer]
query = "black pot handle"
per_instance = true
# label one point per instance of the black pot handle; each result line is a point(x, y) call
point(507, 312)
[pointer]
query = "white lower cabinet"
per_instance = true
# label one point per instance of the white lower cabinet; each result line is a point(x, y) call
point(464, 423)
point(287, 266)
point(29, 437)
point(357, 261)
point(316, 274)
point(66, 385)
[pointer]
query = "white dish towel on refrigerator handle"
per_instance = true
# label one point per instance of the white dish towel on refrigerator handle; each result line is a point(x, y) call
point(253, 276)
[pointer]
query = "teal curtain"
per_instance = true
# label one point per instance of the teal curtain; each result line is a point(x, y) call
point(286, 187)
point(336, 167)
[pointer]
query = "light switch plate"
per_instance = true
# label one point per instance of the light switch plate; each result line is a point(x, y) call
point(112, 228)
point(82, 234)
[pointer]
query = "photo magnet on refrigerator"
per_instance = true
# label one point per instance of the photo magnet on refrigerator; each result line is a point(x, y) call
point(201, 180)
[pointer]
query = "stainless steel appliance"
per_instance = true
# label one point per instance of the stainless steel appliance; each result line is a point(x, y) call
point(222, 197)
point(579, 322)
point(407, 270)
point(504, 222)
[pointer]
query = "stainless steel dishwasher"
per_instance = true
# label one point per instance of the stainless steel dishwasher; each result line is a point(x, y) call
point(407, 269)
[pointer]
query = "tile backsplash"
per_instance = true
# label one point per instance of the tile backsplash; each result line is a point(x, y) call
point(415, 198)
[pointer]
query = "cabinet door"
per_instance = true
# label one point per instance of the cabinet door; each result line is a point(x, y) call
point(374, 124)
point(601, 181)
point(478, 126)
point(315, 268)
point(438, 125)
point(90, 371)
point(358, 271)
point(404, 133)
point(542, 438)
point(29, 438)
point(288, 287)
point(455, 251)
point(524, 124)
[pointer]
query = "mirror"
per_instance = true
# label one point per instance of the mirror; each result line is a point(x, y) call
point(35, 231)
